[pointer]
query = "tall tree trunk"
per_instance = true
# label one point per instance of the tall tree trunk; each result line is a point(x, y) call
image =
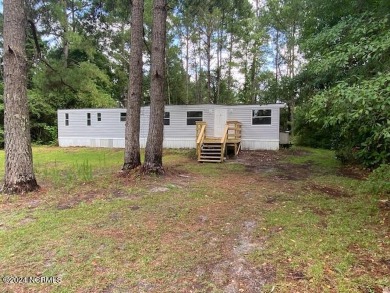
point(230, 78)
point(154, 144)
point(65, 40)
point(73, 10)
point(132, 144)
point(167, 82)
point(217, 97)
point(208, 53)
point(187, 65)
point(200, 75)
point(19, 174)
point(246, 74)
point(253, 86)
point(277, 63)
point(196, 95)
point(291, 105)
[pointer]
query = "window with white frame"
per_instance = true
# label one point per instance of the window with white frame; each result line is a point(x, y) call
point(89, 119)
point(193, 116)
point(123, 116)
point(66, 119)
point(99, 116)
point(167, 118)
point(261, 117)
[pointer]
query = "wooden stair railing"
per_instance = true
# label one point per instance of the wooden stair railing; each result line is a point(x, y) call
point(213, 149)
point(234, 135)
point(223, 142)
point(200, 136)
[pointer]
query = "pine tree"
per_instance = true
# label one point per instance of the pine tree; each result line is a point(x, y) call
point(154, 144)
point(132, 145)
point(19, 174)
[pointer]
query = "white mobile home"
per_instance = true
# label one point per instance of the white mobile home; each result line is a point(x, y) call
point(106, 127)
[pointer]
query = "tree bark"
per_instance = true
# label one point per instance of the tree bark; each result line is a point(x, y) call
point(19, 174)
point(230, 78)
point(217, 97)
point(154, 144)
point(208, 55)
point(187, 65)
point(132, 144)
point(65, 36)
point(200, 71)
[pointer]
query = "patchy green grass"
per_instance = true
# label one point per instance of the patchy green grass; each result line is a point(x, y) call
point(288, 221)
point(324, 159)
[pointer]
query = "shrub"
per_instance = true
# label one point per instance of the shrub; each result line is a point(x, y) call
point(379, 181)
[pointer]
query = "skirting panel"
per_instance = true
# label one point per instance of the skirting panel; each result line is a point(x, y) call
point(169, 143)
point(253, 144)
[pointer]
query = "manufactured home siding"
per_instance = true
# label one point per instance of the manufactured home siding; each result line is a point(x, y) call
point(179, 128)
point(110, 131)
point(257, 136)
point(110, 125)
point(244, 115)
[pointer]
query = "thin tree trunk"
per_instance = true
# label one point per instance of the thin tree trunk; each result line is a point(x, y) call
point(219, 61)
point(73, 8)
point(247, 79)
point(292, 72)
point(132, 144)
point(230, 78)
point(200, 81)
point(253, 79)
point(277, 64)
point(196, 95)
point(154, 144)
point(65, 37)
point(168, 81)
point(19, 174)
point(187, 65)
point(208, 52)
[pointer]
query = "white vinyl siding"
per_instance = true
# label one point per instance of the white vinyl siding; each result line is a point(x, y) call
point(244, 114)
point(167, 120)
point(193, 117)
point(261, 117)
point(110, 131)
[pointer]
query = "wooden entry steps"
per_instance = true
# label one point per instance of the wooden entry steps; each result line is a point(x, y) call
point(213, 149)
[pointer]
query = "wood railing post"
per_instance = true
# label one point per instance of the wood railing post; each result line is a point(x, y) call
point(200, 135)
point(224, 140)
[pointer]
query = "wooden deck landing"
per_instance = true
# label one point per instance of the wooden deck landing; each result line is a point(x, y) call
point(213, 149)
point(209, 139)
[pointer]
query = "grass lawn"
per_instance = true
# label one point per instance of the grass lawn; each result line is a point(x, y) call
point(287, 221)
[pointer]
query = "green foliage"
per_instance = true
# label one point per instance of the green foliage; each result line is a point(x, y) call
point(353, 48)
point(81, 85)
point(379, 181)
point(310, 133)
point(346, 86)
point(359, 116)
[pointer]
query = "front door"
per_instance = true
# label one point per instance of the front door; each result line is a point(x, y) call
point(219, 121)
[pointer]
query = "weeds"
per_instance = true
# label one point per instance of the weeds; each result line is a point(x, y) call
point(379, 181)
point(102, 232)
